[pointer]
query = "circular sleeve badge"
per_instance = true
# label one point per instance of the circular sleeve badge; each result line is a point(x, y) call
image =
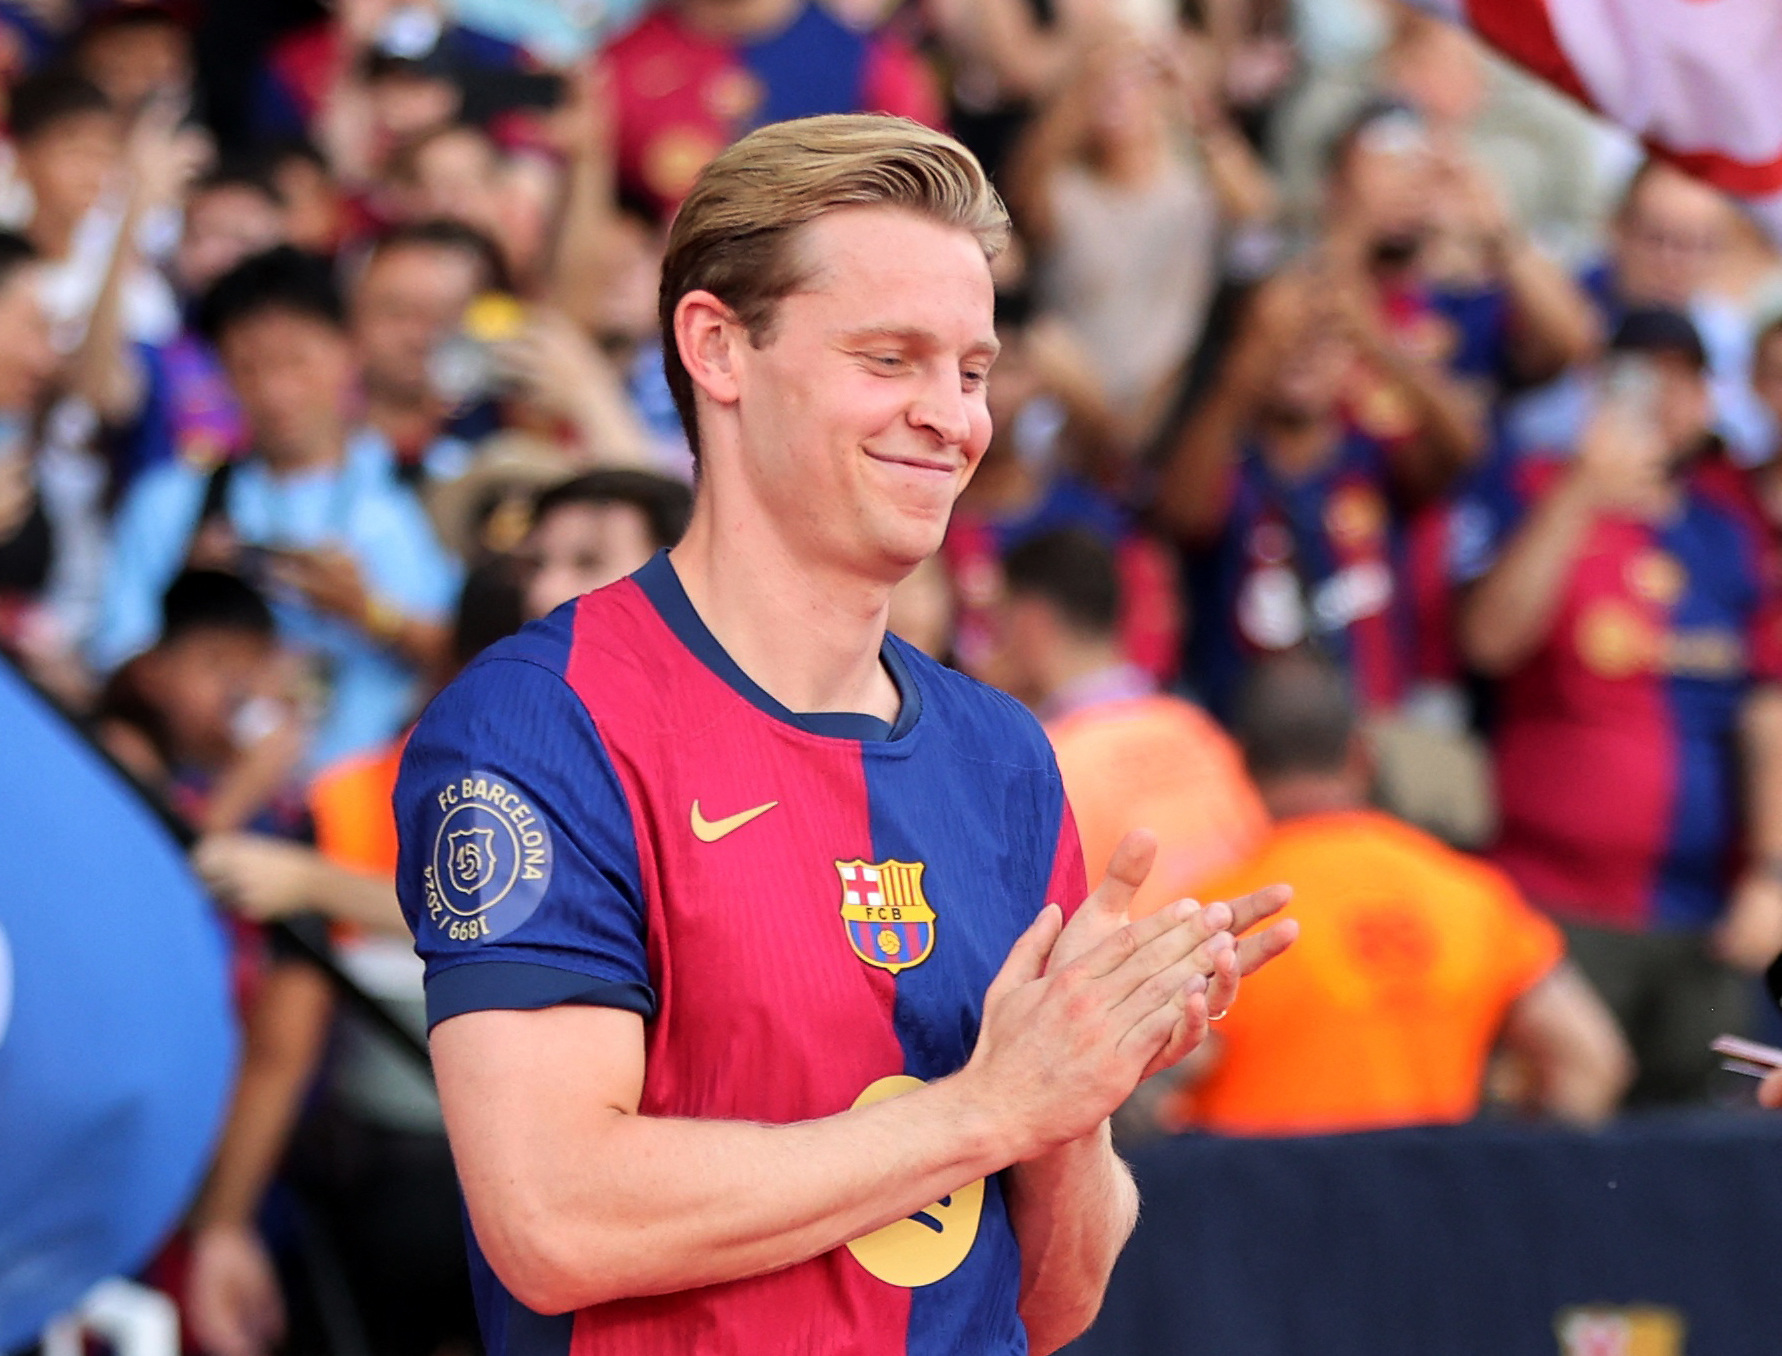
point(490, 863)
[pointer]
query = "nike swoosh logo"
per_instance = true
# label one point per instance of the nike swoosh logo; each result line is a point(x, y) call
point(711, 830)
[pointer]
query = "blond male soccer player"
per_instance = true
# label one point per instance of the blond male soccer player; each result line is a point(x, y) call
point(767, 1008)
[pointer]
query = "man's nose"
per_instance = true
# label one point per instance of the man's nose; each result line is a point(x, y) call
point(942, 409)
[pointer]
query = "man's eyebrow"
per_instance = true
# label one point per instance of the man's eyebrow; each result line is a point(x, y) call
point(913, 334)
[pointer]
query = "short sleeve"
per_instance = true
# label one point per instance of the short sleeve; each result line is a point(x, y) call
point(1487, 511)
point(1529, 944)
point(517, 864)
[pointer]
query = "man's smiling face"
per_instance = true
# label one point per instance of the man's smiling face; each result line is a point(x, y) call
point(862, 412)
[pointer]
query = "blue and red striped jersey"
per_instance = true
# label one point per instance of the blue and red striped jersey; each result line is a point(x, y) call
point(1318, 558)
point(1617, 742)
point(806, 908)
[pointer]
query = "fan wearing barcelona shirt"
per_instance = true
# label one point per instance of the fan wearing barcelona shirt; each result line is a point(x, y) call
point(1293, 512)
point(1633, 629)
point(767, 1008)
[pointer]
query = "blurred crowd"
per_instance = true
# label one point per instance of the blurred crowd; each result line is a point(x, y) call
point(1384, 498)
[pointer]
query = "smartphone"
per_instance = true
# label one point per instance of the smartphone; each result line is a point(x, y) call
point(464, 368)
point(1630, 383)
point(1753, 1058)
point(490, 93)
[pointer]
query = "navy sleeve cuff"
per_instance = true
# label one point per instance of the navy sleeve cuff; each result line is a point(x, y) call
point(488, 985)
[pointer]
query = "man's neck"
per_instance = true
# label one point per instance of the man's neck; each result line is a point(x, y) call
point(1300, 794)
point(287, 462)
point(1298, 447)
point(1076, 670)
point(406, 421)
point(809, 636)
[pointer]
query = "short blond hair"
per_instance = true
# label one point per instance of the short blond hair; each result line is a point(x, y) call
point(735, 235)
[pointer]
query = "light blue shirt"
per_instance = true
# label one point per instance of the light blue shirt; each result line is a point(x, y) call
point(359, 506)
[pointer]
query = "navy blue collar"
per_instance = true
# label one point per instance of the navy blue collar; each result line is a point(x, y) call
point(662, 586)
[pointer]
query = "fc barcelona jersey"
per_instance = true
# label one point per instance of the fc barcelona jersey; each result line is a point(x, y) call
point(806, 910)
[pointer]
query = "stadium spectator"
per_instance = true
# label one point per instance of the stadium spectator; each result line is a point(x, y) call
point(1633, 628)
point(135, 53)
point(1126, 187)
point(172, 401)
point(205, 717)
point(1295, 510)
point(1540, 148)
point(1413, 961)
point(316, 210)
point(315, 510)
point(596, 529)
point(197, 721)
point(407, 298)
point(693, 75)
point(1669, 236)
point(70, 145)
point(1131, 756)
point(459, 173)
point(313, 84)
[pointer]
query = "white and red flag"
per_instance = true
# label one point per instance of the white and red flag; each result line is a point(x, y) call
point(1699, 81)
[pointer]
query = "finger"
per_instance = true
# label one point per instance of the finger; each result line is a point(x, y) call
point(1222, 986)
point(1769, 1092)
point(1162, 987)
point(1255, 952)
point(1180, 1025)
point(1191, 1030)
point(1179, 928)
point(1247, 912)
point(1127, 870)
point(1026, 960)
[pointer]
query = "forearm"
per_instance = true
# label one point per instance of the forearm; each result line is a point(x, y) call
point(284, 1040)
point(415, 640)
point(1761, 735)
point(104, 371)
point(578, 1211)
point(607, 427)
point(356, 897)
point(1192, 490)
point(1034, 161)
point(1450, 421)
point(583, 250)
point(1511, 610)
point(1245, 189)
point(1072, 1211)
point(1555, 326)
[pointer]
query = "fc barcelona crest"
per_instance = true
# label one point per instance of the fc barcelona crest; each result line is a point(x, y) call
point(888, 919)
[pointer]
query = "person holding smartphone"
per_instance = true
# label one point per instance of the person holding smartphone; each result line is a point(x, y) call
point(1633, 634)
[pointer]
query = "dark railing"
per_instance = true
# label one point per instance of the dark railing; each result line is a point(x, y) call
point(1658, 1236)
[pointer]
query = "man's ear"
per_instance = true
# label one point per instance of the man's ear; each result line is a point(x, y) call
point(706, 333)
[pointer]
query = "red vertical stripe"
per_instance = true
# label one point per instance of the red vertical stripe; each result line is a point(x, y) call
point(765, 1012)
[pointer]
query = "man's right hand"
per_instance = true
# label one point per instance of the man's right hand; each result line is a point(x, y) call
point(1062, 1045)
point(232, 1297)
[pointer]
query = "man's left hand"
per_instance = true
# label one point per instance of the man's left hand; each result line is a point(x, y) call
point(1108, 909)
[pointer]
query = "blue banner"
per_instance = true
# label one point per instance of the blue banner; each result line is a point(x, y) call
point(1657, 1237)
point(117, 1036)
